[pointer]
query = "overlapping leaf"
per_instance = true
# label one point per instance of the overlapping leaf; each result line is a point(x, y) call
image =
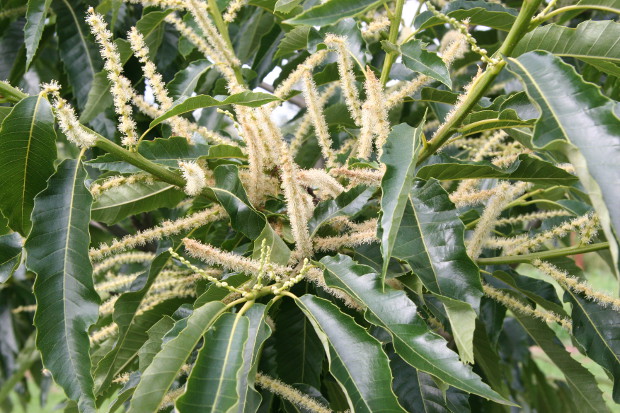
point(412, 339)
point(331, 12)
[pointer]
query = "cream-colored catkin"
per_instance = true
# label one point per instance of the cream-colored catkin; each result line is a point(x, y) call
point(298, 201)
point(234, 262)
point(322, 181)
point(164, 4)
point(538, 215)
point(504, 194)
point(347, 77)
point(120, 88)
point(167, 228)
point(517, 306)
point(375, 121)
point(311, 62)
point(120, 259)
point(377, 25)
point(257, 155)
point(70, 126)
point(195, 177)
point(290, 394)
point(359, 176)
point(233, 8)
point(573, 284)
point(96, 189)
point(199, 11)
point(523, 246)
point(305, 124)
point(315, 109)
point(348, 240)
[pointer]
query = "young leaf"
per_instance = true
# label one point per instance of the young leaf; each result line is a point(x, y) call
point(395, 312)
point(251, 99)
point(35, 22)
point(478, 12)
point(346, 204)
point(368, 385)
point(399, 156)
point(418, 59)
point(67, 304)
point(185, 81)
point(331, 12)
point(160, 374)
point(27, 155)
point(576, 117)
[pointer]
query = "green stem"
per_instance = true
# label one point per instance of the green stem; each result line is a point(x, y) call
point(8, 92)
point(543, 255)
point(561, 10)
point(479, 88)
point(392, 37)
point(223, 29)
point(139, 161)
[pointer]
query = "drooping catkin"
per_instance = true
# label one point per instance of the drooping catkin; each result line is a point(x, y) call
point(573, 284)
point(70, 126)
point(517, 306)
point(311, 62)
point(291, 394)
point(326, 185)
point(315, 109)
point(120, 259)
point(347, 77)
point(306, 122)
point(167, 228)
point(503, 195)
point(97, 188)
point(120, 88)
point(233, 8)
point(375, 123)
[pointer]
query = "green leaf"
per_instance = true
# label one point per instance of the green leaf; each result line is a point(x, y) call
point(597, 330)
point(525, 168)
point(578, 119)
point(416, 390)
point(331, 12)
point(591, 41)
point(160, 374)
point(296, 39)
point(121, 201)
point(167, 152)
point(463, 322)
point(581, 382)
point(431, 240)
point(418, 59)
point(212, 384)
point(185, 81)
point(400, 153)
point(150, 25)
point(251, 99)
point(394, 311)
point(10, 254)
point(346, 204)
point(259, 331)
point(99, 98)
point(132, 328)
point(478, 12)
point(35, 22)
point(78, 53)
point(299, 353)
point(243, 217)
point(152, 345)
point(67, 304)
point(27, 155)
point(368, 384)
